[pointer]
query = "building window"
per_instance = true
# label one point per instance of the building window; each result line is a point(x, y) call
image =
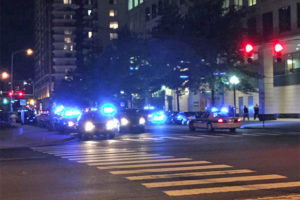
point(251, 24)
point(67, 1)
point(160, 7)
point(67, 40)
point(141, 1)
point(113, 36)
point(267, 24)
point(114, 25)
point(285, 19)
point(67, 32)
point(113, 2)
point(90, 34)
point(147, 14)
point(238, 3)
point(136, 3)
point(89, 12)
point(251, 2)
point(298, 14)
point(130, 4)
point(154, 11)
point(112, 13)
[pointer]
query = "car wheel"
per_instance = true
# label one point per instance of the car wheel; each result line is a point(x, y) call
point(210, 128)
point(191, 127)
point(232, 130)
point(111, 135)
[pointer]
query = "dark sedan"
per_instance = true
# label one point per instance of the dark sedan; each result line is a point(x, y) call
point(132, 120)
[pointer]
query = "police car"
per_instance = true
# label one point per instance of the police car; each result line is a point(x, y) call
point(215, 119)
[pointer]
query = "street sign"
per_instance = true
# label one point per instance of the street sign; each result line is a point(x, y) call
point(23, 102)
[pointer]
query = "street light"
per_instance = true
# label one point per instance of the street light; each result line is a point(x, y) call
point(28, 52)
point(4, 75)
point(234, 80)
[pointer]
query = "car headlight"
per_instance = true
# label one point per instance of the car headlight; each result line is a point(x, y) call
point(142, 121)
point(124, 121)
point(89, 126)
point(112, 124)
point(71, 124)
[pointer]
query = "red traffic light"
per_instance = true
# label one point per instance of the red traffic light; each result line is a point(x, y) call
point(249, 48)
point(20, 94)
point(278, 48)
point(10, 93)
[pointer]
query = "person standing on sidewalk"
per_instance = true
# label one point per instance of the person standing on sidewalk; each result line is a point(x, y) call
point(256, 111)
point(246, 113)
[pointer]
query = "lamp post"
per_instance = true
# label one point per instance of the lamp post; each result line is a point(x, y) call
point(28, 52)
point(234, 80)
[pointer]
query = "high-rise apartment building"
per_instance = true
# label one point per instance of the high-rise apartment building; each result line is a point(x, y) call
point(65, 33)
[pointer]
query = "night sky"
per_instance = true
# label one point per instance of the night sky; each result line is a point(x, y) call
point(17, 32)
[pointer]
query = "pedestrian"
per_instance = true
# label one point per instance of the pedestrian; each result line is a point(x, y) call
point(246, 113)
point(256, 111)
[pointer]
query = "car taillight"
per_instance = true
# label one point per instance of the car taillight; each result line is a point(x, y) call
point(220, 120)
point(239, 120)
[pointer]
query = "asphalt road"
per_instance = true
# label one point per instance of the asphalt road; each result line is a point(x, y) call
point(166, 162)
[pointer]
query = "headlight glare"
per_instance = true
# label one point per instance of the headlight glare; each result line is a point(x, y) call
point(112, 124)
point(142, 121)
point(124, 121)
point(89, 126)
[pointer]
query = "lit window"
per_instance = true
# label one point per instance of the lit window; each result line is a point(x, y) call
point(238, 3)
point(113, 36)
point(68, 40)
point(130, 4)
point(68, 32)
point(67, 1)
point(226, 4)
point(114, 25)
point(141, 1)
point(89, 12)
point(71, 48)
point(251, 2)
point(136, 3)
point(112, 13)
point(65, 47)
point(90, 34)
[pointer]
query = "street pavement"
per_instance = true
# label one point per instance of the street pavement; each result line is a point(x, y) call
point(165, 162)
point(28, 136)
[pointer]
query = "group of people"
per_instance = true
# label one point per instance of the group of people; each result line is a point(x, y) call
point(246, 112)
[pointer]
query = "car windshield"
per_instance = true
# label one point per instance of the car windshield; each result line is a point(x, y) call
point(94, 115)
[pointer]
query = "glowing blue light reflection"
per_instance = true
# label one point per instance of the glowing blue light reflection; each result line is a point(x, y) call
point(158, 117)
point(224, 110)
point(214, 109)
point(149, 108)
point(108, 110)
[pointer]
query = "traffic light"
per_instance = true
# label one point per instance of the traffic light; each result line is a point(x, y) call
point(5, 101)
point(278, 49)
point(10, 93)
point(249, 49)
point(20, 94)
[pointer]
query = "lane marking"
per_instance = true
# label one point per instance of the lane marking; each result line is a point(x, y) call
point(283, 197)
point(127, 159)
point(192, 137)
point(63, 153)
point(254, 187)
point(146, 161)
point(212, 181)
point(96, 155)
point(189, 174)
point(117, 156)
point(170, 169)
point(156, 165)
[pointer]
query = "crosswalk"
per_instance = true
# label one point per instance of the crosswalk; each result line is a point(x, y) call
point(150, 137)
point(174, 176)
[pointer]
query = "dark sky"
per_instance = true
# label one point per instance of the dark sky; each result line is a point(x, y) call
point(17, 32)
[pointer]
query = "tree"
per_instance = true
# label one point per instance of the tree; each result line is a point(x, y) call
point(215, 37)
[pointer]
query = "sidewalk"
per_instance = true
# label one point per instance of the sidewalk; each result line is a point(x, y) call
point(279, 124)
point(28, 136)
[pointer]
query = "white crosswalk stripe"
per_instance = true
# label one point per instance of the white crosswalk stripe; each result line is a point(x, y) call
point(175, 176)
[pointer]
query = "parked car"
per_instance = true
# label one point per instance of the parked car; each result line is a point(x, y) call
point(212, 120)
point(184, 117)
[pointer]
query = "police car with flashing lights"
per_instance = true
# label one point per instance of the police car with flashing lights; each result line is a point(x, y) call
point(215, 119)
point(99, 123)
point(65, 119)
